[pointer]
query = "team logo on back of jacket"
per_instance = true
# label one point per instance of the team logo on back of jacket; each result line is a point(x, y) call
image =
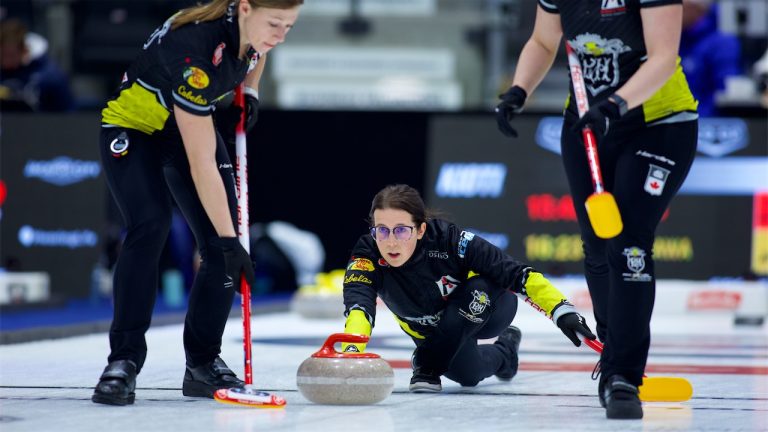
point(599, 59)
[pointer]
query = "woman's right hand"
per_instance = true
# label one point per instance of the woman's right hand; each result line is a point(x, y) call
point(237, 262)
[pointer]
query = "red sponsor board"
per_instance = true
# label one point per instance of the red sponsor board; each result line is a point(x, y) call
point(712, 300)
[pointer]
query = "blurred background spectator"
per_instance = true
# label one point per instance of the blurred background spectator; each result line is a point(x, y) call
point(29, 79)
point(708, 55)
point(760, 73)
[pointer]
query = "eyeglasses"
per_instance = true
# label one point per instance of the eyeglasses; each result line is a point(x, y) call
point(401, 232)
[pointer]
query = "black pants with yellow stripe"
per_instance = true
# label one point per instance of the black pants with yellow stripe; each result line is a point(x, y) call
point(482, 310)
point(144, 181)
point(643, 167)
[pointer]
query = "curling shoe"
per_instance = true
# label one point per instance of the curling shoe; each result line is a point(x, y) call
point(117, 384)
point(509, 339)
point(425, 382)
point(204, 380)
point(620, 398)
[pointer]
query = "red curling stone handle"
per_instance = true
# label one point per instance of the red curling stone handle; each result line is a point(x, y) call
point(328, 351)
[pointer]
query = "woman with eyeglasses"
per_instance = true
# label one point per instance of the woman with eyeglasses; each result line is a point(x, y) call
point(447, 288)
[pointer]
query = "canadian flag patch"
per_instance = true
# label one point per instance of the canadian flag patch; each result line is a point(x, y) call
point(656, 179)
point(218, 54)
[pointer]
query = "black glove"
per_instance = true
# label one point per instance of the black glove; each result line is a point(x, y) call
point(236, 261)
point(251, 112)
point(572, 324)
point(598, 118)
point(228, 117)
point(512, 102)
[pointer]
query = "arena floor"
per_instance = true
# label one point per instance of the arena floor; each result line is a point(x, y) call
point(47, 385)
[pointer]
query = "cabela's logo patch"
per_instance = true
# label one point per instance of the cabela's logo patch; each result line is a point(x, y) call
point(196, 77)
point(362, 264)
point(357, 278)
point(190, 96)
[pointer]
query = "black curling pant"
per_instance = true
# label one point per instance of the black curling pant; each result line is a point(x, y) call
point(452, 350)
point(643, 167)
point(144, 182)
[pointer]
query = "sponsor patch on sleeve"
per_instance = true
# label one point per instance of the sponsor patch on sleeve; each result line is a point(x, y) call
point(464, 240)
point(357, 278)
point(361, 264)
point(196, 77)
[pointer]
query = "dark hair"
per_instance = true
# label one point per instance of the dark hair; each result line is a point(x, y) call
point(215, 9)
point(401, 197)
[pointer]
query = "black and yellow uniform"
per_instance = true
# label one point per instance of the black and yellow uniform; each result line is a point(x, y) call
point(146, 167)
point(455, 289)
point(644, 156)
point(192, 67)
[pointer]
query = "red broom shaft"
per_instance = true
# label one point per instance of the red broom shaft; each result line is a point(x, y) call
point(245, 307)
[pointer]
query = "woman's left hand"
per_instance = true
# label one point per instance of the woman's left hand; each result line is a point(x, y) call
point(572, 324)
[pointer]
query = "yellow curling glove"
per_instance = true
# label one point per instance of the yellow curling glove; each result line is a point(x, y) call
point(357, 323)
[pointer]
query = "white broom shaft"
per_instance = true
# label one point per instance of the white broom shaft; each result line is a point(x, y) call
point(241, 174)
point(579, 89)
point(241, 183)
point(582, 104)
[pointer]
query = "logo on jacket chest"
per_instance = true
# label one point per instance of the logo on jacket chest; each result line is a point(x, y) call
point(609, 8)
point(437, 254)
point(446, 285)
point(599, 59)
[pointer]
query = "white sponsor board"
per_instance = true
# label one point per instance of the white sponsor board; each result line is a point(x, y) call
point(371, 7)
point(363, 94)
point(318, 62)
point(24, 287)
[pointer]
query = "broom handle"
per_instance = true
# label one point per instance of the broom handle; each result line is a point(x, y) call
point(243, 230)
point(582, 104)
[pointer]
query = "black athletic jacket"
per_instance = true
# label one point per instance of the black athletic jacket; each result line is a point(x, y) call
point(607, 36)
point(417, 291)
point(192, 67)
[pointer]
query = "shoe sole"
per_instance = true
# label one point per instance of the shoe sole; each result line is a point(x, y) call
point(425, 388)
point(197, 389)
point(624, 411)
point(112, 400)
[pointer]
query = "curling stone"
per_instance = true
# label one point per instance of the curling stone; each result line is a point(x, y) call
point(330, 377)
point(323, 300)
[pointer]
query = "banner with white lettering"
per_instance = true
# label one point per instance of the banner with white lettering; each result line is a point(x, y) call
point(54, 211)
point(513, 193)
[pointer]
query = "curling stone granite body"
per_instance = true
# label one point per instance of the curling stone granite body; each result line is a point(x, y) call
point(333, 378)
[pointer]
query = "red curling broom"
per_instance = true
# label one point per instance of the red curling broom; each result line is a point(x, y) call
point(247, 396)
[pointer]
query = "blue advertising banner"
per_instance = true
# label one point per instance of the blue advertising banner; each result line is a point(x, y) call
point(54, 211)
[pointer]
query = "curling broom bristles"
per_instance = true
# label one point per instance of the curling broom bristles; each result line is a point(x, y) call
point(248, 397)
point(604, 215)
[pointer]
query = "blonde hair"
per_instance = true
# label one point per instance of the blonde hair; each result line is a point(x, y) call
point(215, 9)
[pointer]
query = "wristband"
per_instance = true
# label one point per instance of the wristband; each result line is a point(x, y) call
point(620, 102)
point(250, 91)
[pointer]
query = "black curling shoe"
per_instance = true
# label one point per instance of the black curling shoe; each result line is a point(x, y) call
point(510, 340)
point(204, 380)
point(620, 398)
point(117, 384)
point(425, 382)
